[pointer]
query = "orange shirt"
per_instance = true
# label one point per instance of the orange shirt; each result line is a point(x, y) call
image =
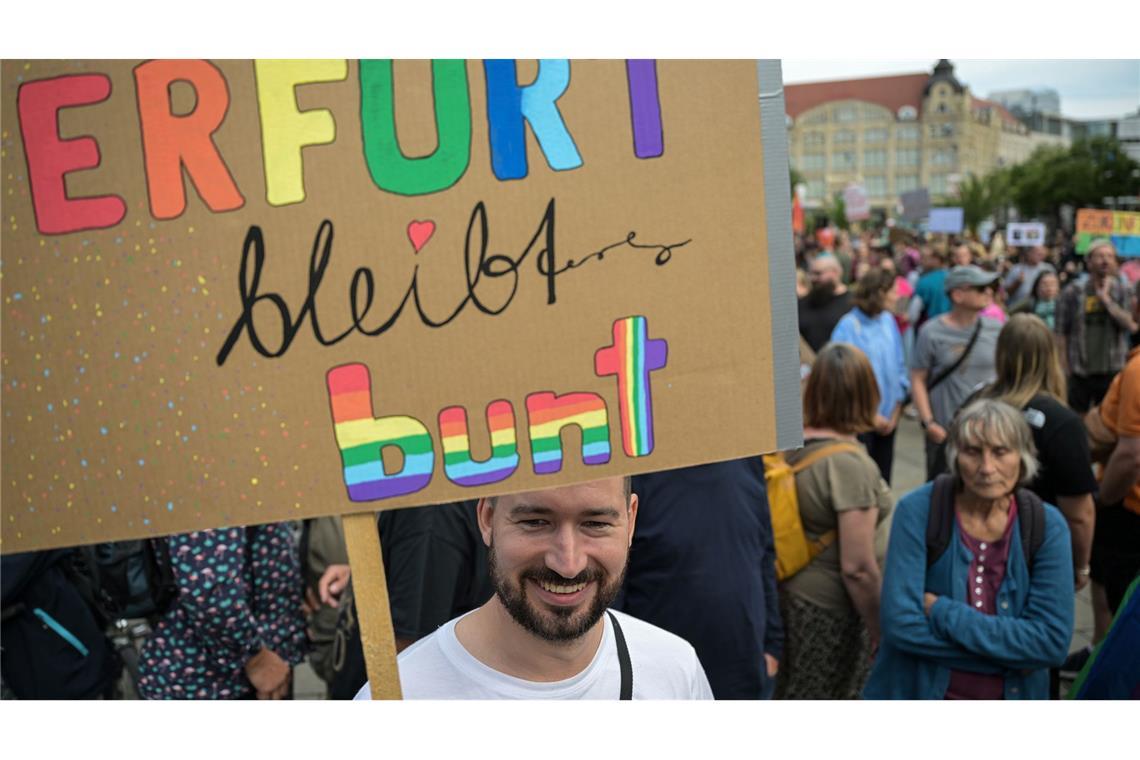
point(1120, 411)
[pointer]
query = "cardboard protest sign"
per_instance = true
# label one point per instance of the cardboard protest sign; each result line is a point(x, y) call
point(238, 292)
point(856, 204)
point(948, 220)
point(916, 204)
point(1121, 227)
point(1024, 234)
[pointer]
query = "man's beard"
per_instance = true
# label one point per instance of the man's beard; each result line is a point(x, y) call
point(820, 294)
point(568, 623)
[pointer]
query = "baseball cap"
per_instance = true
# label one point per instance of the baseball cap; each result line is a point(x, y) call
point(968, 276)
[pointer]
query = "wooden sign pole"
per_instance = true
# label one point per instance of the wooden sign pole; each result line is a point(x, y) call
point(373, 615)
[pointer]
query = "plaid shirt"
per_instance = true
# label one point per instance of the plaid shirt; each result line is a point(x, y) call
point(1077, 303)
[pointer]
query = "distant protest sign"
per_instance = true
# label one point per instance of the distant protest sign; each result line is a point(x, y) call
point(239, 292)
point(1024, 234)
point(1121, 227)
point(857, 206)
point(948, 220)
point(916, 204)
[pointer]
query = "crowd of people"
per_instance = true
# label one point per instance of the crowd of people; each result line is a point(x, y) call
point(1017, 365)
point(1026, 353)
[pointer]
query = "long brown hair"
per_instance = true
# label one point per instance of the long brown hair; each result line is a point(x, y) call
point(1026, 362)
point(870, 294)
point(841, 391)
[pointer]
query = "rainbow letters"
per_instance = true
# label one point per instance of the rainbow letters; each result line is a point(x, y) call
point(549, 413)
point(362, 438)
point(632, 357)
point(458, 465)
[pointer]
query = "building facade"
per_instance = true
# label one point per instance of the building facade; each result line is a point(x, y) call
point(1022, 103)
point(899, 133)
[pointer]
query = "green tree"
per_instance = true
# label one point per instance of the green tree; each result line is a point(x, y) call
point(837, 211)
point(794, 178)
point(976, 201)
point(1080, 176)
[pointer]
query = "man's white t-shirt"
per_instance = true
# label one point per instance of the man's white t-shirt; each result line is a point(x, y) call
point(664, 667)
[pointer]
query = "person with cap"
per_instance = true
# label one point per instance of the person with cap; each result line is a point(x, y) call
point(1093, 323)
point(953, 357)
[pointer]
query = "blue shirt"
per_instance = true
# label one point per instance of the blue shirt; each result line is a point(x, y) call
point(878, 337)
point(1029, 634)
point(931, 288)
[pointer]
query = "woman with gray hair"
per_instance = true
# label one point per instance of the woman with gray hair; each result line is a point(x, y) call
point(977, 598)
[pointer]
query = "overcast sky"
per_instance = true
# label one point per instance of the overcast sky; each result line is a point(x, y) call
point(1089, 89)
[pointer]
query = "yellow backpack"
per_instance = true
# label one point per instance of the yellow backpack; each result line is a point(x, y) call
point(793, 550)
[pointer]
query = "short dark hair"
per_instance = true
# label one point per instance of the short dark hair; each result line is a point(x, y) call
point(626, 488)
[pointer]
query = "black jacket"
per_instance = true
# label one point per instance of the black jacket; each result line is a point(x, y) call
point(52, 646)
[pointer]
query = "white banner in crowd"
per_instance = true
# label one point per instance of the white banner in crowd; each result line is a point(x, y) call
point(857, 205)
point(1024, 234)
point(947, 220)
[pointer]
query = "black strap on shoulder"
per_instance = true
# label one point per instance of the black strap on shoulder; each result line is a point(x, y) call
point(957, 362)
point(623, 660)
point(1031, 519)
point(940, 521)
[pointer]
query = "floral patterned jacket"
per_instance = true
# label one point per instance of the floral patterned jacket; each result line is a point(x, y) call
point(239, 589)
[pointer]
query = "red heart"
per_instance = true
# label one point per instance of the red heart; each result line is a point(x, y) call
point(420, 232)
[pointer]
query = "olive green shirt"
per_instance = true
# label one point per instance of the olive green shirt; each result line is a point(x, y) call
point(838, 483)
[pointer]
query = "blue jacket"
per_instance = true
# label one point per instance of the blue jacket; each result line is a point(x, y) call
point(1029, 634)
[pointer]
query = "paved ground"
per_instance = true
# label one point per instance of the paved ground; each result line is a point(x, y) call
point(909, 472)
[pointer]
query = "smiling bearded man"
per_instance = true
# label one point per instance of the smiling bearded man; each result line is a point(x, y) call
point(557, 559)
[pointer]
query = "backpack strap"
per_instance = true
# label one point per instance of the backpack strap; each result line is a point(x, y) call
point(808, 460)
point(822, 453)
point(940, 520)
point(1031, 520)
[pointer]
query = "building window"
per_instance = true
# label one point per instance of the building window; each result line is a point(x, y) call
point(906, 182)
point(874, 158)
point(907, 113)
point(846, 114)
point(907, 133)
point(843, 137)
point(875, 113)
point(943, 108)
point(876, 135)
point(943, 156)
point(939, 185)
point(813, 162)
point(816, 117)
point(814, 139)
point(876, 185)
point(940, 130)
point(843, 160)
point(816, 189)
point(906, 157)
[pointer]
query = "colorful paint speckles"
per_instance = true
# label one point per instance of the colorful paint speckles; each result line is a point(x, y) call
point(362, 439)
point(632, 357)
point(458, 465)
